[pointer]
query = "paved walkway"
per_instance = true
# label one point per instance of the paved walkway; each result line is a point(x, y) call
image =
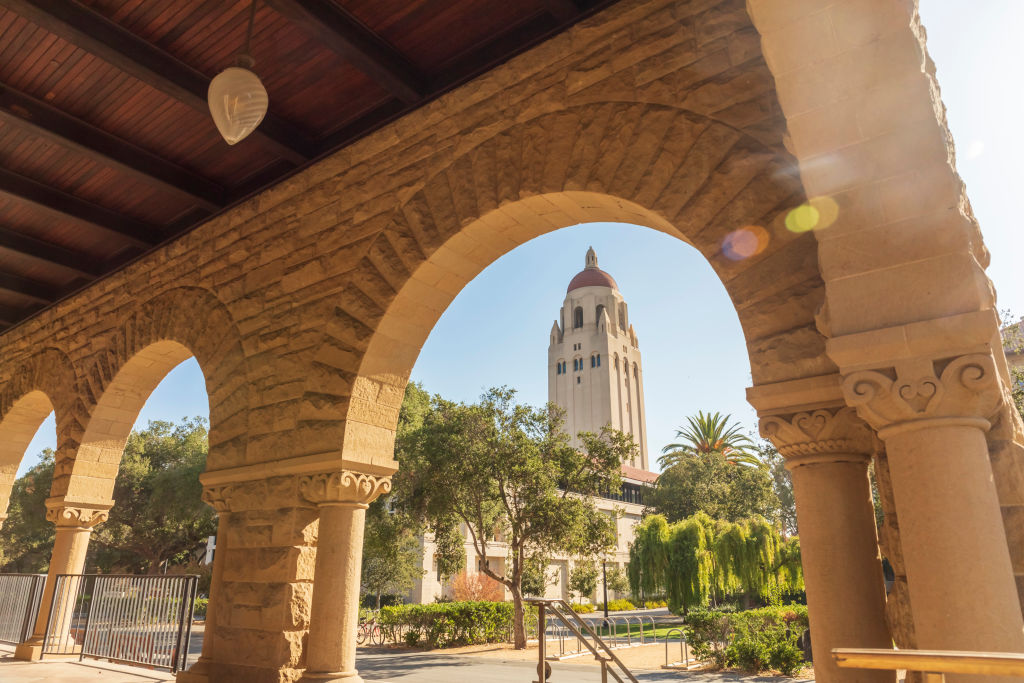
point(374, 665)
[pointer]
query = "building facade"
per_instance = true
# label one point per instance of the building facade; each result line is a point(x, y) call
point(595, 375)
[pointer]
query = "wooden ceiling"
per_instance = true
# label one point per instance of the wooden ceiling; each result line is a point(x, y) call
point(107, 148)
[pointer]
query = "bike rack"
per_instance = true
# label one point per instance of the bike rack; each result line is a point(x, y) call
point(684, 653)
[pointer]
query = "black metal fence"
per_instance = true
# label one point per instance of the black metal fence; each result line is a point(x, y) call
point(19, 603)
point(134, 619)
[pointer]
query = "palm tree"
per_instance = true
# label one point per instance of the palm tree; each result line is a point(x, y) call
point(710, 434)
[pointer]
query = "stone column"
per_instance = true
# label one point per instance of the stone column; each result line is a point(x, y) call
point(933, 417)
point(216, 497)
point(74, 525)
point(827, 451)
point(342, 498)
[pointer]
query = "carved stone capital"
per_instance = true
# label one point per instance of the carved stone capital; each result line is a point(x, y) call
point(823, 435)
point(344, 487)
point(218, 497)
point(966, 391)
point(75, 515)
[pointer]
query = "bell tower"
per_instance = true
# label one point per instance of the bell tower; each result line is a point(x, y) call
point(594, 368)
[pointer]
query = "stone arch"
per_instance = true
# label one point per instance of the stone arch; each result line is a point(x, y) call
point(164, 331)
point(652, 165)
point(45, 383)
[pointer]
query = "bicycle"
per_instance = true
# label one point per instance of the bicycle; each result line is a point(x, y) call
point(369, 630)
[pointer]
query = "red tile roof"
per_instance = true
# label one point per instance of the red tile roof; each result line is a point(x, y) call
point(639, 474)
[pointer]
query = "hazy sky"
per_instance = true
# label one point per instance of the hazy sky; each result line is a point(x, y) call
point(496, 330)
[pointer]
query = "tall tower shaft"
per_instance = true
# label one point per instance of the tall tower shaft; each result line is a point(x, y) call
point(595, 372)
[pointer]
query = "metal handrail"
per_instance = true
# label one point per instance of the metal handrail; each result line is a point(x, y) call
point(934, 663)
point(564, 611)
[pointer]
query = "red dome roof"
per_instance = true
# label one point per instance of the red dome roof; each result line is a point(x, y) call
point(591, 277)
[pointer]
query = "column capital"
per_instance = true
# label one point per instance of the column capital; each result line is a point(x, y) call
point(219, 497)
point(83, 516)
point(923, 392)
point(345, 487)
point(823, 435)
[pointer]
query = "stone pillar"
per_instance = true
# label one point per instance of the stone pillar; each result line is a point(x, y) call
point(342, 498)
point(74, 525)
point(933, 417)
point(200, 672)
point(827, 451)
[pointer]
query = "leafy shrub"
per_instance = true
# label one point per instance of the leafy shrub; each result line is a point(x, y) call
point(754, 640)
point(653, 604)
point(708, 633)
point(199, 608)
point(581, 608)
point(475, 587)
point(620, 605)
point(450, 624)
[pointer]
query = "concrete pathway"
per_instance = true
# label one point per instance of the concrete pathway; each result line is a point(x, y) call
point(374, 665)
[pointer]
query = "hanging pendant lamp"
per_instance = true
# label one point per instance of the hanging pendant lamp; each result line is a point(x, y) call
point(237, 98)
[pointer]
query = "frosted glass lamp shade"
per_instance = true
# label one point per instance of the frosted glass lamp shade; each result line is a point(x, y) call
point(238, 102)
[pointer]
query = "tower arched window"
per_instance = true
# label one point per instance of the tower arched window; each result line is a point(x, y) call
point(622, 316)
point(577, 317)
point(600, 312)
point(593, 361)
point(598, 360)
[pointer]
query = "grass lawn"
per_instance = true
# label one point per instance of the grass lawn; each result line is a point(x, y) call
point(660, 631)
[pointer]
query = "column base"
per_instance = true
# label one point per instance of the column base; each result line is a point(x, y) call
point(347, 676)
point(29, 651)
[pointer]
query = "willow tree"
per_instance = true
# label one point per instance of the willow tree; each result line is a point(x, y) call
point(691, 563)
point(648, 556)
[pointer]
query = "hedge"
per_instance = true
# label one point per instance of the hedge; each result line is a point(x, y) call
point(754, 640)
point(449, 624)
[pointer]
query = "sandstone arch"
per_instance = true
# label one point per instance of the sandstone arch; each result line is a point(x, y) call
point(38, 387)
point(163, 332)
point(667, 168)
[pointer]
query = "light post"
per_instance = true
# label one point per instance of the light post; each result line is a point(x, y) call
point(604, 583)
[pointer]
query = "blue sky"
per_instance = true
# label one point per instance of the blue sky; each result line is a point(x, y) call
point(496, 330)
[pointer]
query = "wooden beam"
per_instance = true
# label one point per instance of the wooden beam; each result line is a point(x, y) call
point(337, 29)
point(50, 199)
point(31, 289)
point(54, 125)
point(123, 49)
point(51, 253)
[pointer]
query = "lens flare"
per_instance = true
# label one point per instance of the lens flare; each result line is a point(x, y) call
point(802, 218)
point(745, 242)
point(816, 214)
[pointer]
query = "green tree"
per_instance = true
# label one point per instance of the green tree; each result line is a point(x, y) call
point(616, 580)
point(782, 484)
point(707, 434)
point(392, 553)
point(696, 558)
point(583, 579)
point(1013, 345)
point(507, 467)
point(535, 577)
point(159, 515)
point(707, 483)
point(27, 538)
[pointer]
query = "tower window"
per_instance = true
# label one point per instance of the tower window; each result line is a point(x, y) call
point(558, 368)
point(577, 317)
point(577, 380)
point(598, 360)
point(593, 361)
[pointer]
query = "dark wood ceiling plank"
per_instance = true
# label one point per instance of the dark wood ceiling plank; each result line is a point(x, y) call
point(129, 53)
point(9, 315)
point(50, 199)
point(337, 29)
point(28, 288)
point(49, 252)
point(563, 10)
point(52, 124)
